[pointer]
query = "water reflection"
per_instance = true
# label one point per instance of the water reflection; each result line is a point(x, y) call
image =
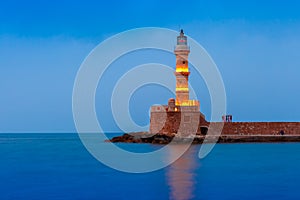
point(181, 174)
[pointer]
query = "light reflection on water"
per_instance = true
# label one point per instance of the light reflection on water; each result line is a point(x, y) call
point(180, 175)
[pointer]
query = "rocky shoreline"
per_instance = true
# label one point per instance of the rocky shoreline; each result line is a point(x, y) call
point(145, 137)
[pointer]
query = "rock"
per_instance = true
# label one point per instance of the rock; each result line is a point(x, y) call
point(145, 137)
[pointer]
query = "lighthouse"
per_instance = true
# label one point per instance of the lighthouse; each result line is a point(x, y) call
point(182, 70)
point(181, 114)
point(182, 73)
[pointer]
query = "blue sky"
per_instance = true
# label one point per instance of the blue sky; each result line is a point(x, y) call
point(255, 45)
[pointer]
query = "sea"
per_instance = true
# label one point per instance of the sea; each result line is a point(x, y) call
point(58, 166)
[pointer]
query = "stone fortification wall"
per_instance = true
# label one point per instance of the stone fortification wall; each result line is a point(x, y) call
point(166, 122)
point(261, 128)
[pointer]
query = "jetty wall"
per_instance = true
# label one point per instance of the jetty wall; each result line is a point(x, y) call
point(165, 122)
point(260, 128)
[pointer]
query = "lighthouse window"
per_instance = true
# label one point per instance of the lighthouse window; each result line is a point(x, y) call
point(183, 62)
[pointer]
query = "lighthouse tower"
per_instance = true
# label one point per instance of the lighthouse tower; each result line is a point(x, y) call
point(182, 73)
point(181, 115)
point(182, 70)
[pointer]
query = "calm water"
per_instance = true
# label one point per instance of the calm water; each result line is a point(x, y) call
point(57, 166)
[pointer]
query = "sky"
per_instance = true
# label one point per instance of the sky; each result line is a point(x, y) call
point(255, 45)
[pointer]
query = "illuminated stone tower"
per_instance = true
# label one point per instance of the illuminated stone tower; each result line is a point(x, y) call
point(182, 70)
point(182, 73)
point(181, 115)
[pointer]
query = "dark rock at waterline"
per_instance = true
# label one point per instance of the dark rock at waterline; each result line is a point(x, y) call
point(145, 137)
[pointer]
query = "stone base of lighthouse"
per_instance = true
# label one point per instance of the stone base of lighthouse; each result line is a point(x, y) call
point(182, 120)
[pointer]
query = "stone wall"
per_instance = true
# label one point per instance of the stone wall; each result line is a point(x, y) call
point(174, 122)
point(261, 128)
point(188, 120)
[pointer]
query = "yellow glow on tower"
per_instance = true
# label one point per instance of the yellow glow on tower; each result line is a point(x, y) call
point(182, 69)
point(182, 72)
